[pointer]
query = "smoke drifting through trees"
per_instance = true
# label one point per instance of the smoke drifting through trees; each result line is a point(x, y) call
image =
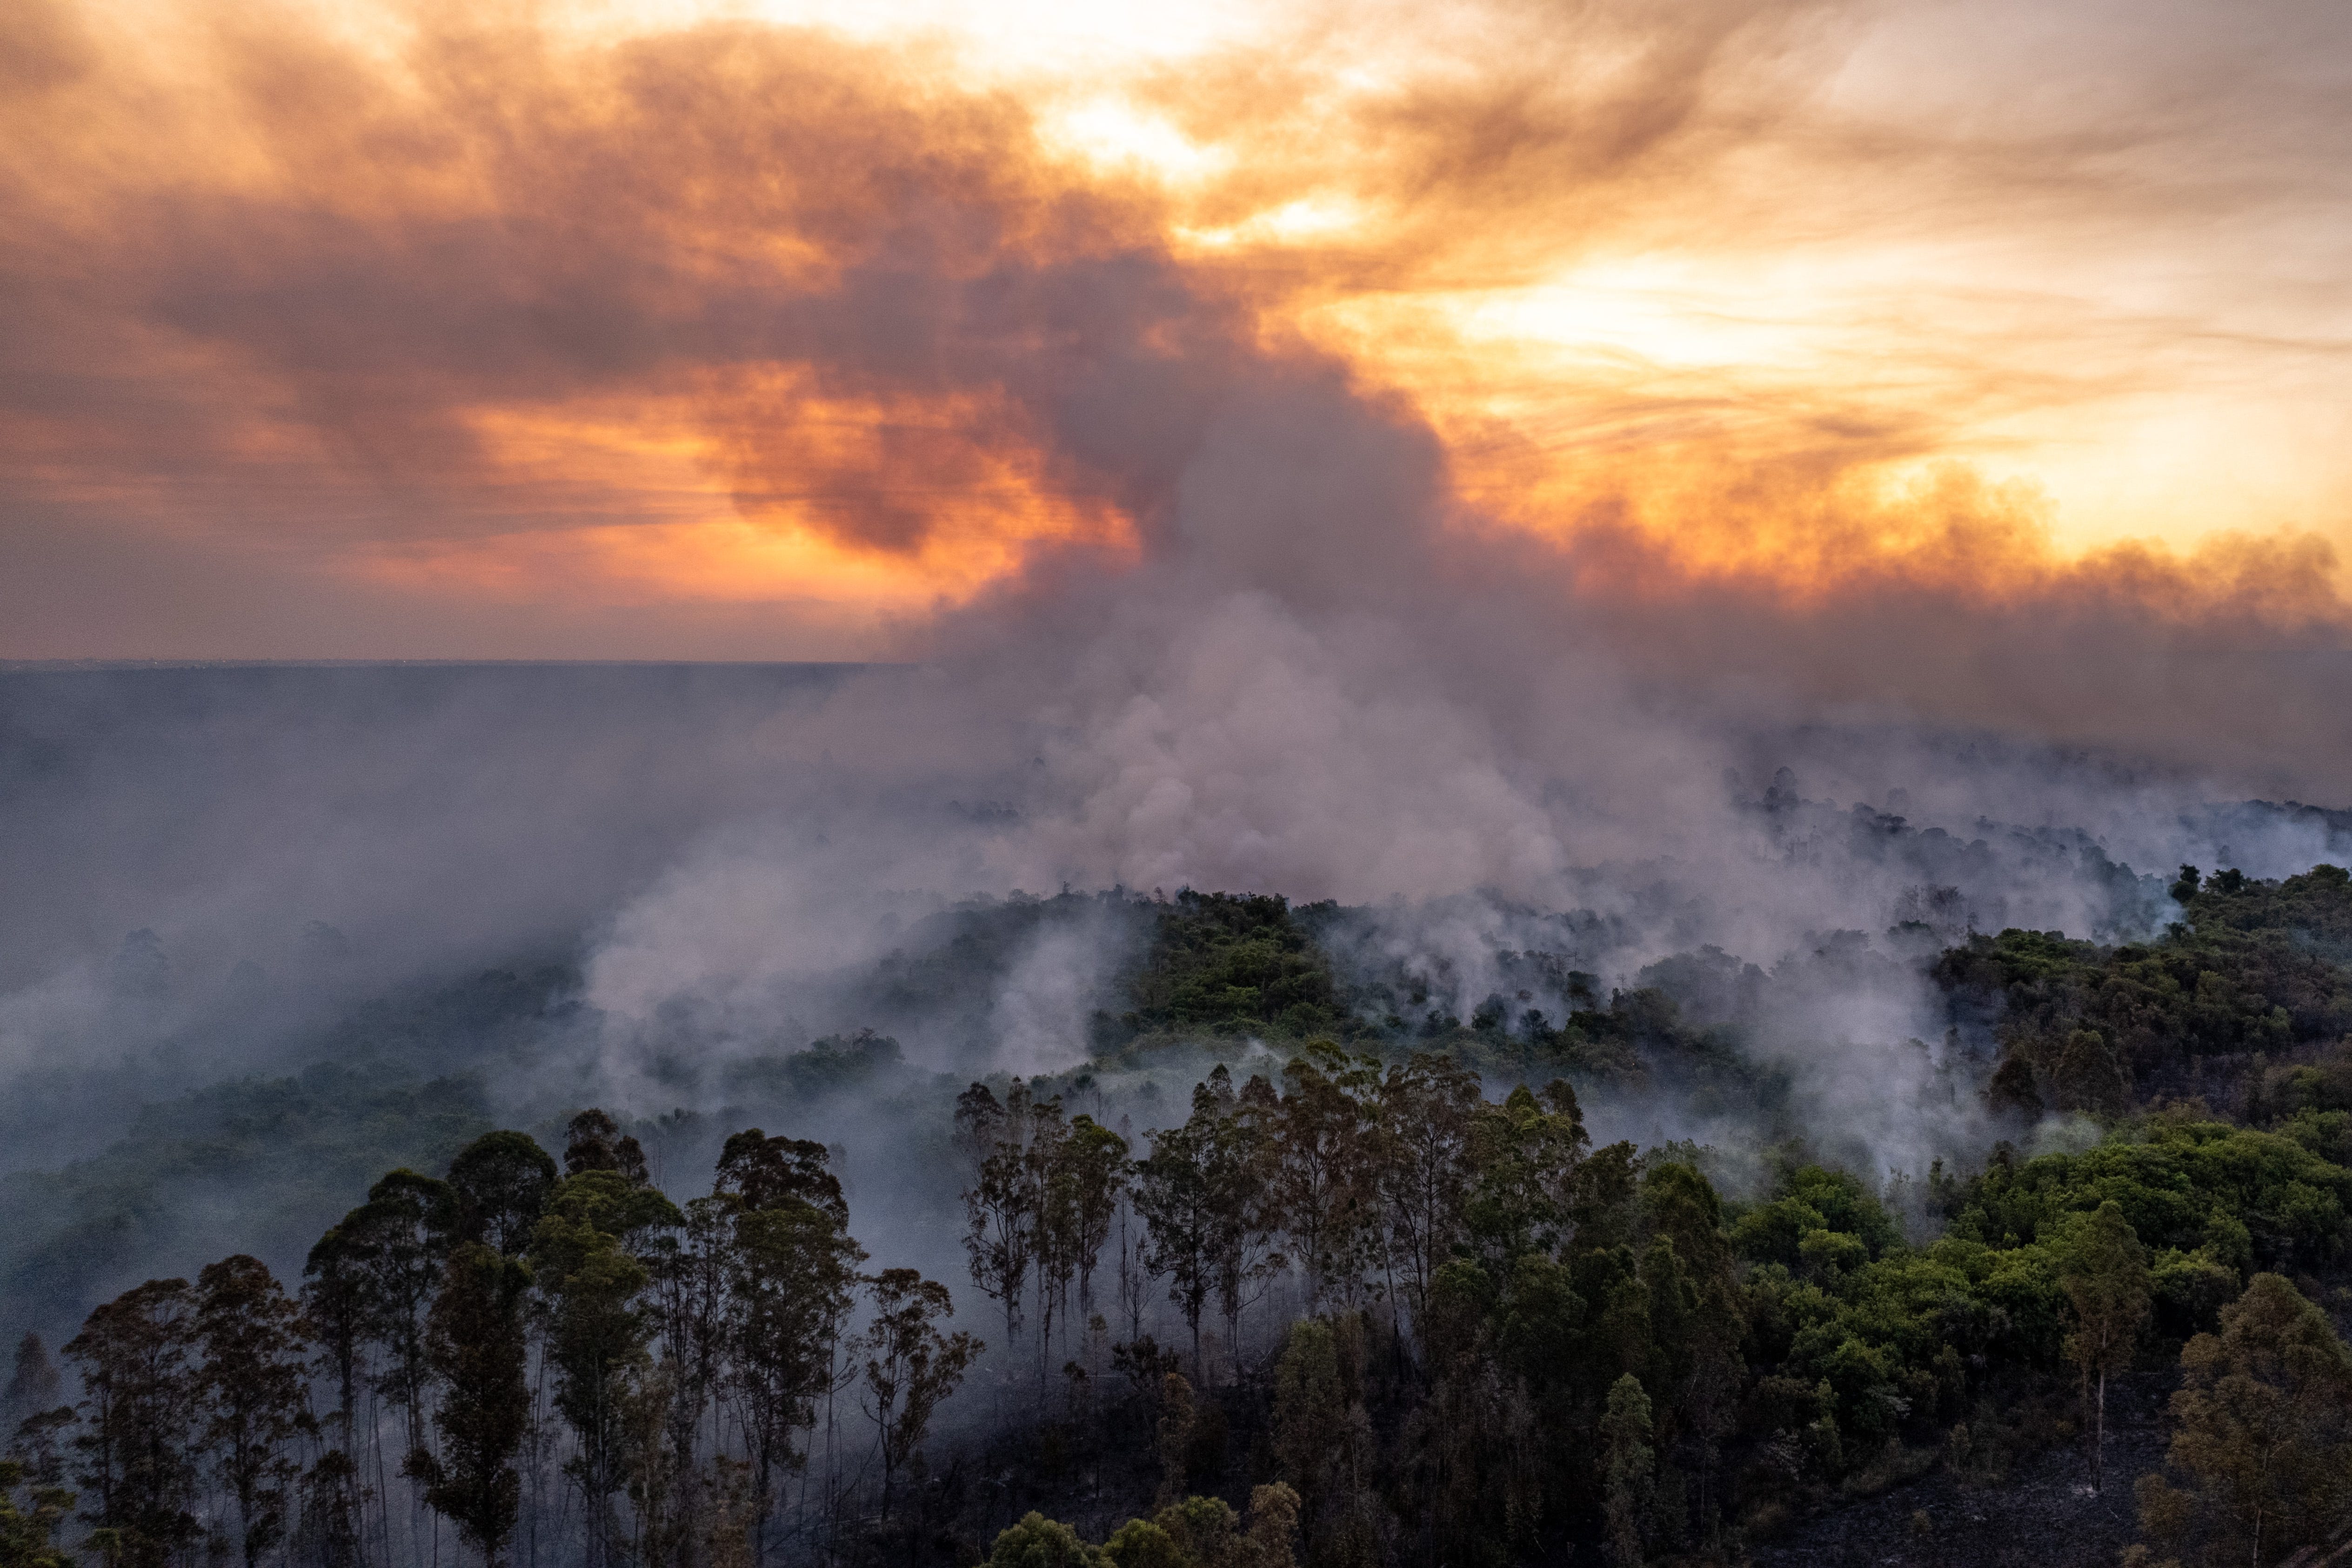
point(1422, 1325)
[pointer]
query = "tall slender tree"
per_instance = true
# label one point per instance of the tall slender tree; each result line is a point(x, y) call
point(598, 1328)
point(2103, 1271)
point(692, 1263)
point(1321, 1185)
point(396, 1247)
point(910, 1366)
point(476, 1340)
point(791, 1270)
point(1428, 1107)
point(1000, 1208)
point(1244, 1142)
point(139, 1415)
point(1176, 1193)
point(253, 1393)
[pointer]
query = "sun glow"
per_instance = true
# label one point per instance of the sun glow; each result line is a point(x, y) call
point(1754, 290)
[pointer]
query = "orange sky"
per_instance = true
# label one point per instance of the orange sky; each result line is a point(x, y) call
point(669, 329)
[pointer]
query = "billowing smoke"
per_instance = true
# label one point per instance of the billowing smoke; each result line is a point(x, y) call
point(495, 339)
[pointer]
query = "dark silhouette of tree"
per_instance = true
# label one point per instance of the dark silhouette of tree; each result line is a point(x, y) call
point(1092, 1177)
point(252, 1393)
point(475, 1342)
point(500, 1182)
point(394, 1247)
point(1243, 1144)
point(1176, 1193)
point(1050, 1200)
point(910, 1366)
point(791, 1270)
point(1000, 1205)
point(1625, 1498)
point(691, 1264)
point(595, 1142)
point(138, 1413)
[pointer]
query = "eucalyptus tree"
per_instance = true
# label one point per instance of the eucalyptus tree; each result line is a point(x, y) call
point(477, 1343)
point(138, 1469)
point(1427, 1107)
point(1093, 1175)
point(1322, 1183)
point(691, 1264)
point(1000, 1205)
point(595, 1142)
point(599, 1326)
point(1244, 1143)
point(252, 1390)
point(791, 1270)
point(2103, 1268)
point(396, 1247)
point(910, 1365)
point(500, 1182)
point(1176, 1193)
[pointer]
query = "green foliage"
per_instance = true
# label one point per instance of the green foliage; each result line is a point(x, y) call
point(28, 1527)
point(836, 1064)
point(2183, 1185)
point(2261, 1459)
point(2253, 967)
point(1223, 964)
point(1041, 1543)
point(475, 1343)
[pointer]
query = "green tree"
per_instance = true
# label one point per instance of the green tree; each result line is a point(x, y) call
point(691, 1264)
point(1241, 1142)
point(791, 1270)
point(500, 1182)
point(252, 1392)
point(1176, 1193)
point(2103, 1269)
point(1625, 1498)
point(1090, 1178)
point(1428, 1108)
point(910, 1365)
point(1323, 1187)
point(476, 1340)
point(29, 1531)
point(1000, 1203)
point(139, 1412)
point(1525, 1157)
point(1322, 1436)
point(598, 1328)
point(395, 1248)
point(595, 1142)
point(2263, 1434)
point(1041, 1543)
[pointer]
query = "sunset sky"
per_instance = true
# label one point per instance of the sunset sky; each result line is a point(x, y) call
point(659, 330)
